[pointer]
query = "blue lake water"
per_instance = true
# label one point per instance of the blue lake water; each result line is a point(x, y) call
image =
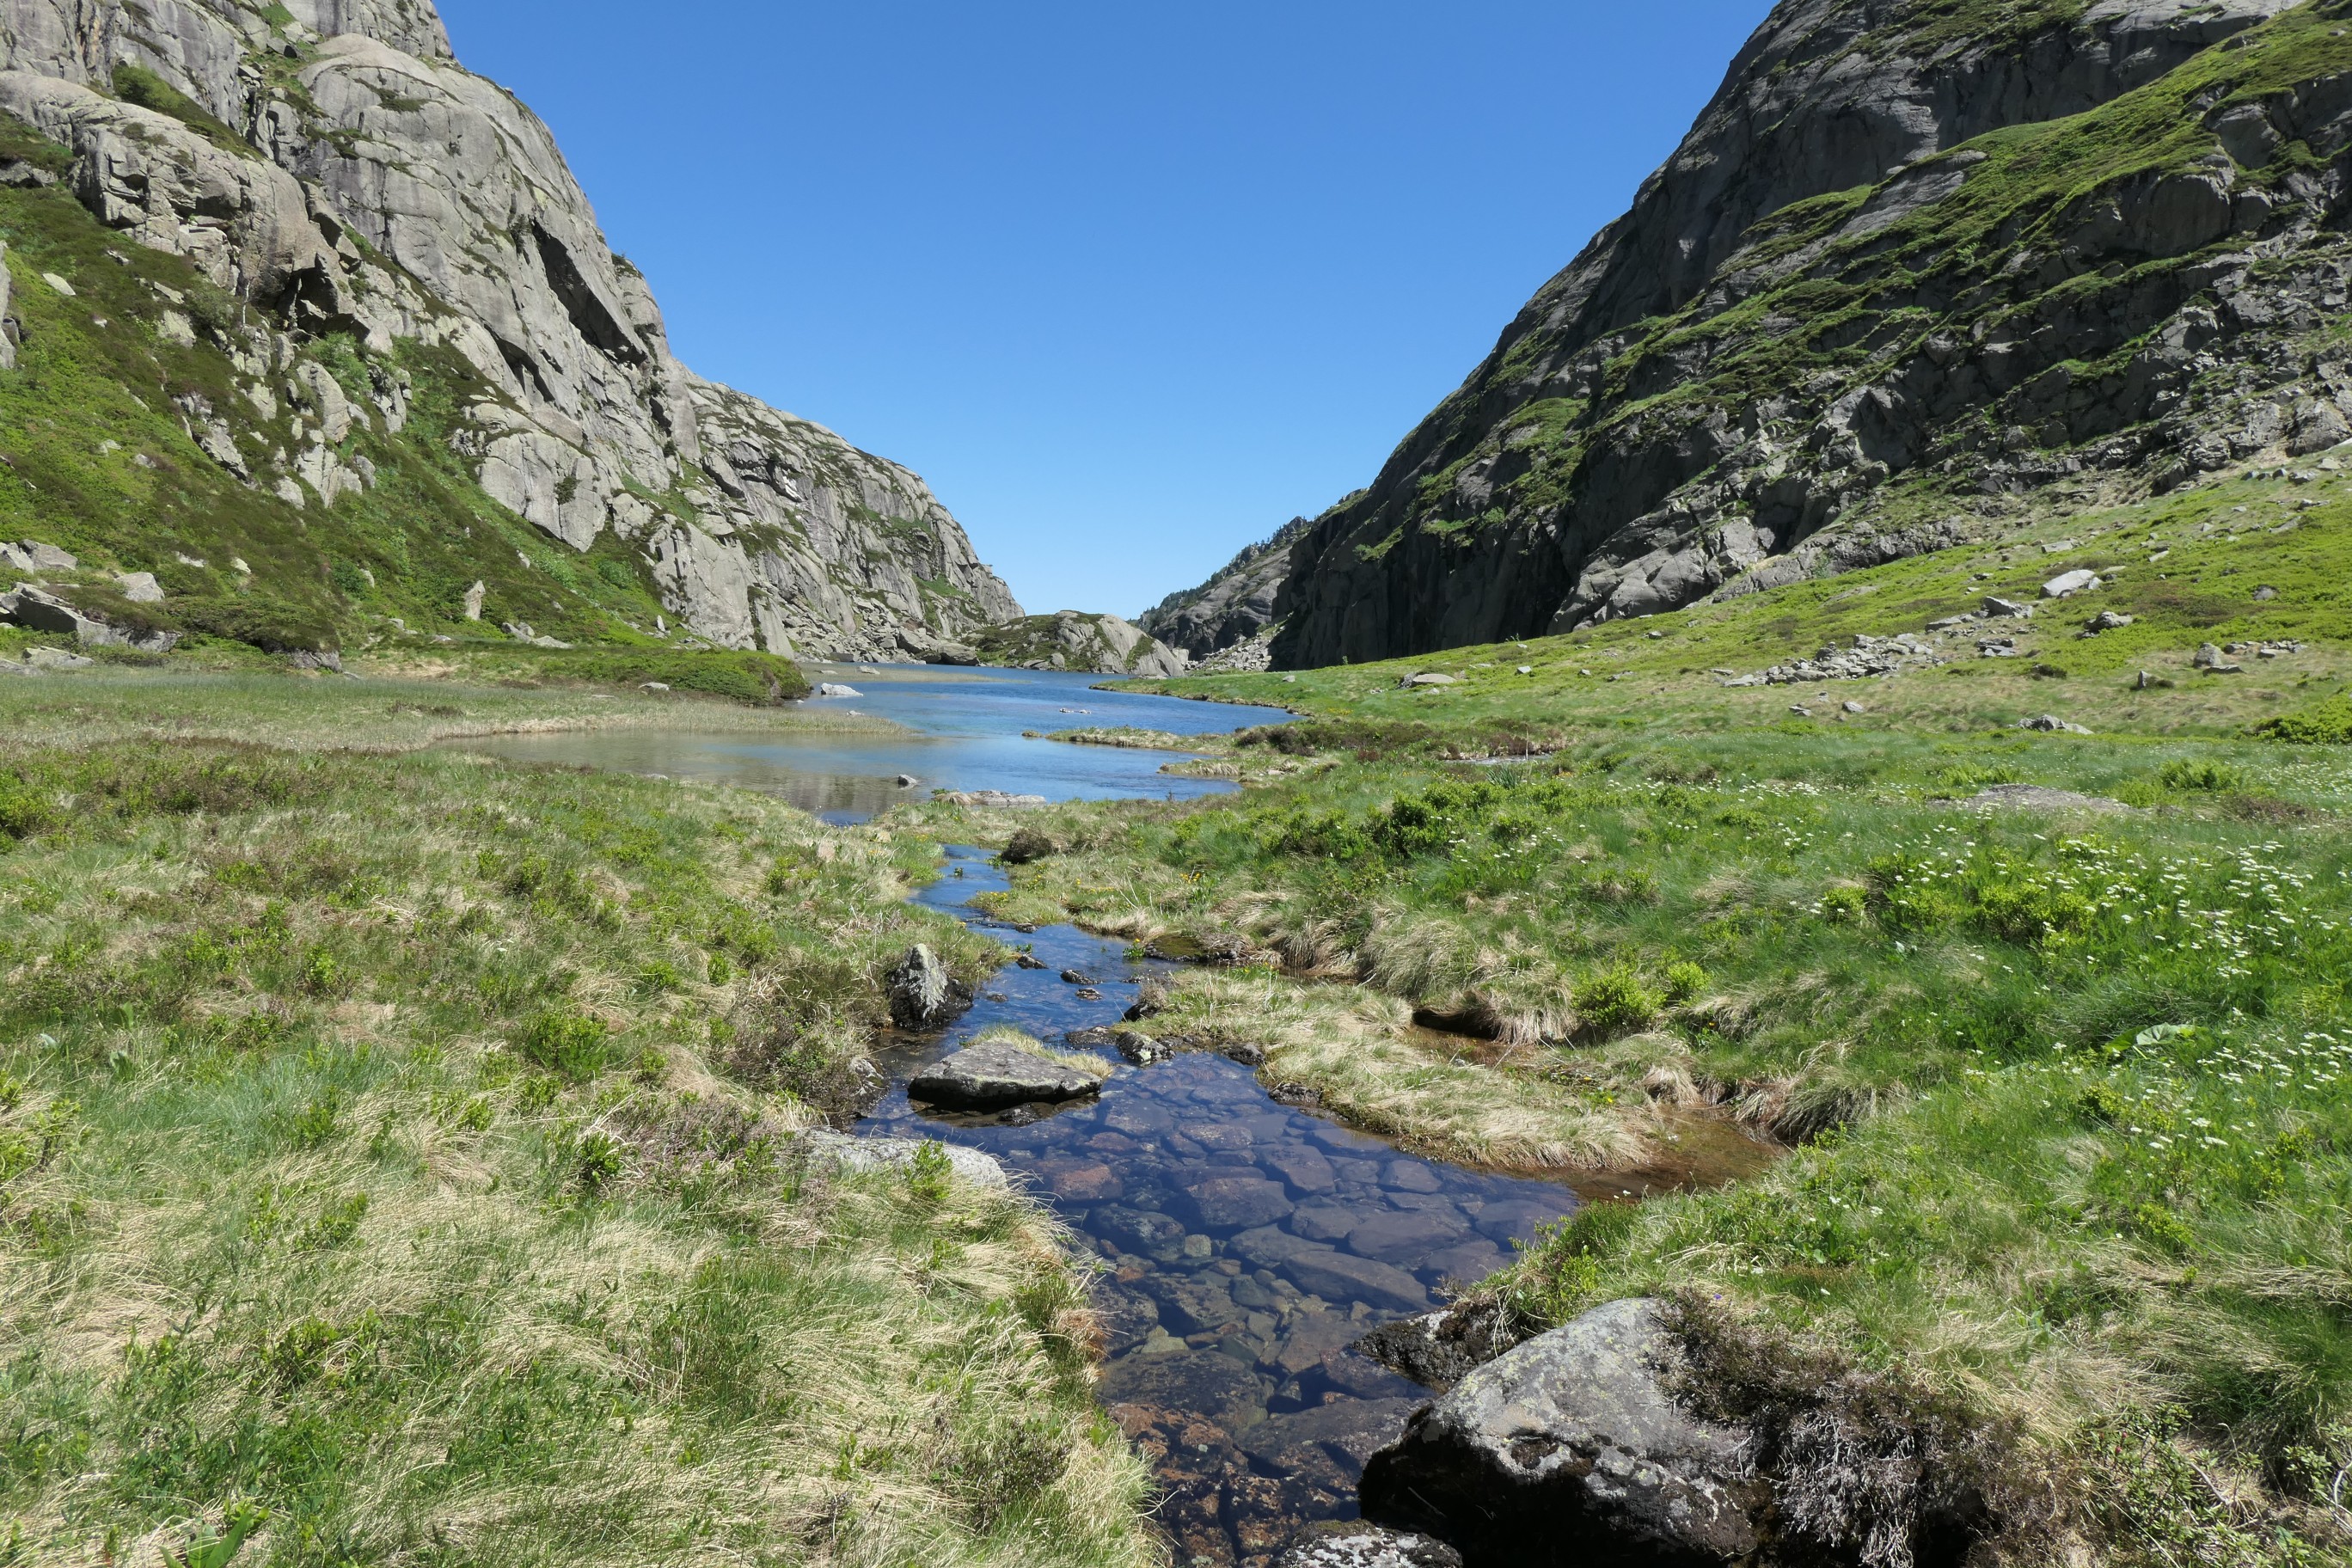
point(962, 729)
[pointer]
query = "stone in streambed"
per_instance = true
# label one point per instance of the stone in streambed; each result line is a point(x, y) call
point(1471, 1261)
point(1304, 1169)
point(1410, 1176)
point(1438, 1349)
point(1137, 1229)
point(923, 995)
point(1313, 1338)
point(1350, 1431)
point(1236, 1201)
point(1516, 1219)
point(1406, 1237)
point(1218, 1387)
point(1266, 1247)
point(1569, 1448)
point(1323, 1222)
point(1191, 1303)
point(993, 1073)
point(1342, 1277)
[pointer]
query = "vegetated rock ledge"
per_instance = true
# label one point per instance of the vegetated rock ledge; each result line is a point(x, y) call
point(1826, 321)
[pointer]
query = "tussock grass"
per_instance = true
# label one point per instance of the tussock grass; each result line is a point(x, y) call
point(404, 1145)
point(1021, 1040)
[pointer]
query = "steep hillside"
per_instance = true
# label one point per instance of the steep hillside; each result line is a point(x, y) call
point(1234, 604)
point(1923, 270)
point(335, 308)
point(1073, 639)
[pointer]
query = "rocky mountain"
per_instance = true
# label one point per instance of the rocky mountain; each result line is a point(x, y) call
point(1235, 604)
point(1922, 267)
point(1073, 639)
point(375, 346)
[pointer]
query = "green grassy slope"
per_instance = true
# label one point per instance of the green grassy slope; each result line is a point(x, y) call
point(398, 1150)
point(97, 455)
point(2187, 567)
point(2064, 1092)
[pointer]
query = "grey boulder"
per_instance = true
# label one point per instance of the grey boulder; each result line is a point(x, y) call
point(1570, 1449)
point(844, 1153)
point(994, 1073)
point(34, 557)
point(1356, 1544)
point(2066, 584)
point(923, 995)
point(29, 607)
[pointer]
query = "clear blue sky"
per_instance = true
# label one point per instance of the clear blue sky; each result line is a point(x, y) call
point(1130, 285)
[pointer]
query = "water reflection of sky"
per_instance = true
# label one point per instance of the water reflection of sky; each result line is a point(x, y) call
point(963, 729)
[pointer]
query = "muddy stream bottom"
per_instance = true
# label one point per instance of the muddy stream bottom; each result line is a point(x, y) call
point(1246, 1245)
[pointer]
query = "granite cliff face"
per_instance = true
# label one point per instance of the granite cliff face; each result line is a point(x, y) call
point(1074, 639)
point(1921, 266)
point(1233, 605)
point(328, 164)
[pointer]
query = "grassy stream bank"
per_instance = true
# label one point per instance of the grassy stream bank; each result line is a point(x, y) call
point(2060, 1085)
point(398, 1146)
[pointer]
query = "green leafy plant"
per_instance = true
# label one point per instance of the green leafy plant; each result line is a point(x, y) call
point(206, 1549)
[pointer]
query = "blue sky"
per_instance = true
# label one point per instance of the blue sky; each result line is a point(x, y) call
point(1130, 285)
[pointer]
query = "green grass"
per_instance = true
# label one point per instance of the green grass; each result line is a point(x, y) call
point(2069, 1092)
point(2062, 1096)
point(97, 461)
point(402, 1145)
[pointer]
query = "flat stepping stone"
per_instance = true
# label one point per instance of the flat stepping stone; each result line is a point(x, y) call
point(992, 1074)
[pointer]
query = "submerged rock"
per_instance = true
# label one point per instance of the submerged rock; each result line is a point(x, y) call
point(923, 995)
point(994, 1073)
point(1570, 1449)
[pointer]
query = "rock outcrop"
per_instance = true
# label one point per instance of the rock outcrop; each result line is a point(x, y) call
point(1571, 1449)
point(1073, 639)
point(1844, 278)
point(1234, 605)
point(330, 164)
point(923, 994)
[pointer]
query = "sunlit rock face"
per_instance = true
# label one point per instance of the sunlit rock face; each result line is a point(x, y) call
point(1846, 322)
point(363, 181)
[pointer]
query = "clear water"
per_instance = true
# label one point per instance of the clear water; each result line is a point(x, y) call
point(1246, 1245)
point(964, 729)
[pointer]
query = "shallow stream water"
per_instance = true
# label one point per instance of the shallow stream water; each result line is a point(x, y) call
point(1246, 1244)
